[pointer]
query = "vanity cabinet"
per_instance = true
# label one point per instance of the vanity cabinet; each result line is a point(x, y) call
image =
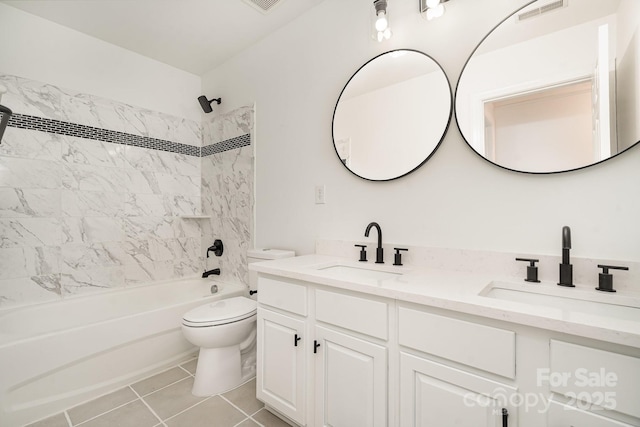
point(281, 374)
point(336, 357)
point(350, 380)
point(323, 348)
point(281, 364)
point(434, 393)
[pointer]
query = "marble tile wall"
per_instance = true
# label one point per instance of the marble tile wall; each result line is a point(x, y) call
point(80, 214)
point(227, 190)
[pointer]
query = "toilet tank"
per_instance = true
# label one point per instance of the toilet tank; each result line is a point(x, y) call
point(257, 255)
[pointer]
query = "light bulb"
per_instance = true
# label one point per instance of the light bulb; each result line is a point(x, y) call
point(387, 34)
point(381, 21)
point(380, 36)
point(432, 3)
point(436, 12)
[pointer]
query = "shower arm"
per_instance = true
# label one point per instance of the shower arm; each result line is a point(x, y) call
point(6, 115)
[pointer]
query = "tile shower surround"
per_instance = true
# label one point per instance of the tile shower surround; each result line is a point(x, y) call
point(91, 192)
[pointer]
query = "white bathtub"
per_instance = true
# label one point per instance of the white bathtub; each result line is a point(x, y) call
point(56, 355)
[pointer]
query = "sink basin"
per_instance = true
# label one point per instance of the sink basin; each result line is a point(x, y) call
point(568, 300)
point(358, 273)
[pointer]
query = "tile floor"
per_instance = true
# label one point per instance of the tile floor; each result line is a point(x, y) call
point(165, 400)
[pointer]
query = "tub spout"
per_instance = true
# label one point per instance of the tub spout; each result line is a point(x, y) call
point(215, 271)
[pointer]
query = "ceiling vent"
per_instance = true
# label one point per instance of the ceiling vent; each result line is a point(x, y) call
point(559, 4)
point(263, 6)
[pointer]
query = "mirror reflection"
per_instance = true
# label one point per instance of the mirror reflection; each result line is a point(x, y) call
point(555, 86)
point(392, 115)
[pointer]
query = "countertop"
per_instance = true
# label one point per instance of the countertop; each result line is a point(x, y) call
point(462, 292)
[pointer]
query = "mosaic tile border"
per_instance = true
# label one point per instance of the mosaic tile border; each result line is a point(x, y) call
point(25, 121)
point(226, 145)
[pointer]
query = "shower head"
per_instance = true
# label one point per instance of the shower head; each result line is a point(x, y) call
point(206, 103)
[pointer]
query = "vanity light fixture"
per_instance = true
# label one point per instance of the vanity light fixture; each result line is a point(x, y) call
point(432, 9)
point(381, 27)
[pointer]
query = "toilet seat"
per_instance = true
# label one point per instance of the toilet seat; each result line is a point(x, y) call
point(220, 312)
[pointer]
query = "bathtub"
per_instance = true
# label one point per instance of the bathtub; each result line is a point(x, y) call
point(56, 355)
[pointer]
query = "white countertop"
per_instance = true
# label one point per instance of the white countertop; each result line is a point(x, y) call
point(458, 291)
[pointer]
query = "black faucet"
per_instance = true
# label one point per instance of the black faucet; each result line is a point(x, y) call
point(215, 271)
point(379, 251)
point(566, 269)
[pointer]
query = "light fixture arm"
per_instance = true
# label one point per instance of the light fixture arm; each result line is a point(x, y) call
point(380, 6)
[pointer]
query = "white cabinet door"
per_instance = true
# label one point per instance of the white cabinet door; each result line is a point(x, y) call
point(435, 395)
point(561, 415)
point(350, 381)
point(282, 349)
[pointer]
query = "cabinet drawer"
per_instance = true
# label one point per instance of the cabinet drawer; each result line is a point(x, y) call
point(483, 347)
point(283, 294)
point(357, 314)
point(606, 379)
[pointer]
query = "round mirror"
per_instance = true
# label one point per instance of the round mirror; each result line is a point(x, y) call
point(555, 87)
point(392, 115)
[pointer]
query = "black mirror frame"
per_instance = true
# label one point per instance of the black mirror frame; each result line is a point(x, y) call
point(444, 132)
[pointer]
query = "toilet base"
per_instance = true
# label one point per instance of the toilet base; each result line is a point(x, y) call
point(218, 370)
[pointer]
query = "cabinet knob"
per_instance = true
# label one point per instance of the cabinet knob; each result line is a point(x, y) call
point(296, 338)
point(316, 344)
point(505, 417)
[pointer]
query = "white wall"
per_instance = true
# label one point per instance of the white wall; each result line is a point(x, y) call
point(456, 199)
point(41, 50)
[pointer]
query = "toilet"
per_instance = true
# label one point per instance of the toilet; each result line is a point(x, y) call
point(225, 331)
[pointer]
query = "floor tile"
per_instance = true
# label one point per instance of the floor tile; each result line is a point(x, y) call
point(134, 414)
point(100, 405)
point(267, 419)
point(156, 382)
point(244, 397)
point(214, 412)
point(173, 399)
point(55, 421)
point(190, 366)
point(248, 423)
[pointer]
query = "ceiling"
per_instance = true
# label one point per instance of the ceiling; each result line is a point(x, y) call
point(192, 35)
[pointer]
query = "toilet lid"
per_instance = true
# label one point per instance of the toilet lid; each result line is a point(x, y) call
point(221, 312)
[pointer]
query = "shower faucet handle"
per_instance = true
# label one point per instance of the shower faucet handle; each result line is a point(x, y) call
point(217, 248)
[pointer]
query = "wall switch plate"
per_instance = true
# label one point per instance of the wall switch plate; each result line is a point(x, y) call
point(320, 194)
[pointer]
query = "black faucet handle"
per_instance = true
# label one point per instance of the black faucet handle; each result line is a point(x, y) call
point(217, 248)
point(363, 252)
point(397, 258)
point(532, 269)
point(605, 279)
